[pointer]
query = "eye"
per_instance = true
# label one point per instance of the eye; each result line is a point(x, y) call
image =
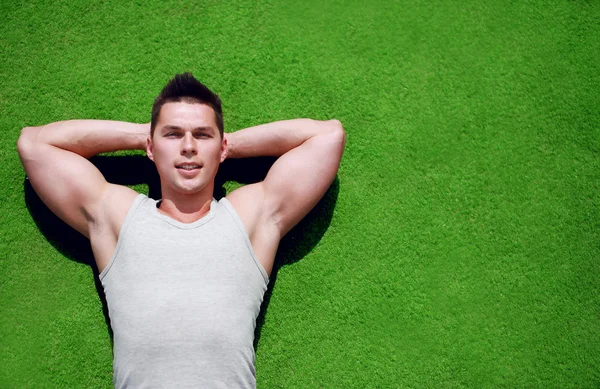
point(202, 135)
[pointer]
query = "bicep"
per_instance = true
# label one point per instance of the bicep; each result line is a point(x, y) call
point(70, 185)
point(300, 178)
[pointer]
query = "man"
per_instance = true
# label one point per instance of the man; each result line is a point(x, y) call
point(184, 277)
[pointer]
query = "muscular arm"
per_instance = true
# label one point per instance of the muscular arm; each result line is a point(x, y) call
point(55, 159)
point(88, 137)
point(277, 138)
point(309, 154)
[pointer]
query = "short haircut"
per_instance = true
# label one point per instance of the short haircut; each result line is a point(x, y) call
point(186, 88)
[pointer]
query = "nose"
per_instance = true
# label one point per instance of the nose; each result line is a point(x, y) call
point(188, 145)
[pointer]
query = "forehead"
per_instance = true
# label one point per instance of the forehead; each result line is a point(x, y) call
point(186, 115)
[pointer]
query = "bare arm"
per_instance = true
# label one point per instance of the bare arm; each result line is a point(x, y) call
point(55, 159)
point(309, 157)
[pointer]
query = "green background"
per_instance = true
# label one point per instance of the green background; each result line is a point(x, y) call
point(463, 248)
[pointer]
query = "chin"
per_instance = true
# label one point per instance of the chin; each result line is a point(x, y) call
point(191, 189)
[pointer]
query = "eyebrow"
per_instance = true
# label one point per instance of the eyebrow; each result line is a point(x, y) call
point(170, 127)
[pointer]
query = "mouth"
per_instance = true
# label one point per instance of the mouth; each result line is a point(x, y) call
point(188, 166)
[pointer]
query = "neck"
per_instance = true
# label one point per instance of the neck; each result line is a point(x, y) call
point(186, 208)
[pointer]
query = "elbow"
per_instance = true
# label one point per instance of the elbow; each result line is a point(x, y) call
point(336, 129)
point(332, 126)
point(334, 136)
point(330, 131)
point(335, 125)
point(26, 140)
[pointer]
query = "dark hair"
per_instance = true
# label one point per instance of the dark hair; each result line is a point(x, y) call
point(185, 88)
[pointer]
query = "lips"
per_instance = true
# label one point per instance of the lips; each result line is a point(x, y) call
point(188, 166)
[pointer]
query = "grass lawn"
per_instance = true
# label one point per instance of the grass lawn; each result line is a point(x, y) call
point(461, 245)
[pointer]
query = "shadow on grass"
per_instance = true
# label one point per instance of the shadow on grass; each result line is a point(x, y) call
point(133, 170)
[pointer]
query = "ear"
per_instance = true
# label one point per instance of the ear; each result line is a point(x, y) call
point(224, 148)
point(149, 149)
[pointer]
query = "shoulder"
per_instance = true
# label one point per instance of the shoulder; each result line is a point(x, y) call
point(113, 209)
point(253, 206)
point(116, 204)
point(250, 205)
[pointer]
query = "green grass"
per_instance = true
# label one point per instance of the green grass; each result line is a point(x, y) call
point(463, 248)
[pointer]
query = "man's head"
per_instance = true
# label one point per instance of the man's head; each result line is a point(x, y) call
point(185, 88)
point(186, 141)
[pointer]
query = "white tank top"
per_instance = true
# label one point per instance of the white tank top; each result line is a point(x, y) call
point(183, 300)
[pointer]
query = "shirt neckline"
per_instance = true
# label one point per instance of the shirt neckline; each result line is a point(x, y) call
point(184, 226)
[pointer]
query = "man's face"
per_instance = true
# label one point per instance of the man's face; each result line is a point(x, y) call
point(186, 148)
